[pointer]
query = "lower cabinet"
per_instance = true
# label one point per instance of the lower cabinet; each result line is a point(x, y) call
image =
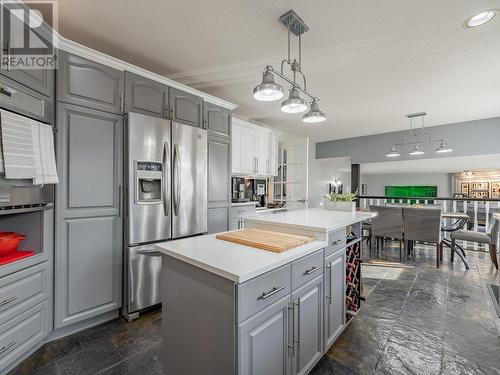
point(217, 219)
point(307, 326)
point(334, 297)
point(219, 183)
point(263, 341)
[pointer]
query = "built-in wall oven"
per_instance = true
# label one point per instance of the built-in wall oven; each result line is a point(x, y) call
point(166, 198)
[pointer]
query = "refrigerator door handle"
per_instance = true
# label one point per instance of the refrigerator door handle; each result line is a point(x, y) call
point(177, 179)
point(166, 179)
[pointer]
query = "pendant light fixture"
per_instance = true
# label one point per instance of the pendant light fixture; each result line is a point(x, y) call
point(269, 90)
point(314, 114)
point(419, 136)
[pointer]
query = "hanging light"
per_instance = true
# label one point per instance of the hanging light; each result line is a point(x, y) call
point(393, 153)
point(416, 150)
point(314, 114)
point(443, 147)
point(294, 103)
point(268, 90)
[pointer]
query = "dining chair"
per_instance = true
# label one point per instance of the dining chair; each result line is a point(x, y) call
point(388, 224)
point(489, 238)
point(423, 225)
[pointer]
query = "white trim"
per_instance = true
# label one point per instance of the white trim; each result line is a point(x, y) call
point(243, 121)
point(91, 54)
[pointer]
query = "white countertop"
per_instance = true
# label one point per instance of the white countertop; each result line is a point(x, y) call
point(232, 261)
point(318, 219)
point(240, 263)
point(249, 203)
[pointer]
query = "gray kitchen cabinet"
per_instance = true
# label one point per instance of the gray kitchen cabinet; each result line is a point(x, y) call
point(263, 341)
point(218, 219)
point(185, 108)
point(40, 80)
point(145, 96)
point(89, 84)
point(88, 253)
point(307, 326)
point(217, 120)
point(334, 297)
point(219, 183)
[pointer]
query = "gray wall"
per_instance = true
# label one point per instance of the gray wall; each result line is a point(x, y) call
point(376, 182)
point(466, 138)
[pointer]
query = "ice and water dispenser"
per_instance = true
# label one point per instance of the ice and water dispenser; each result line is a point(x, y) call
point(148, 181)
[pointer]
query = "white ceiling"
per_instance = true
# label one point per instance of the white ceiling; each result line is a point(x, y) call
point(438, 165)
point(370, 62)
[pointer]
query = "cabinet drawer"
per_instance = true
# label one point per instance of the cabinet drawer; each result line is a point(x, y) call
point(307, 268)
point(262, 291)
point(22, 290)
point(336, 241)
point(241, 211)
point(23, 332)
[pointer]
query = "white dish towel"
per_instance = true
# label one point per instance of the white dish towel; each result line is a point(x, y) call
point(43, 150)
point(17, 145)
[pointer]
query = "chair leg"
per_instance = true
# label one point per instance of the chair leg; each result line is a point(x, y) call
point(441, 251)
point(452, 255)
point(493, 255)
point(437, 256)
point(400, 252)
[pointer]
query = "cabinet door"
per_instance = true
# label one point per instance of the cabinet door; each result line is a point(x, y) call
point(88, 253)
point(218, 220)
point(185, 108)
point(219, 170)
point(273, 154)
point(248, 151)
point(40, 80)
point(334, 297)
point(262, 153)
point(217, 120)
point(307, 330)
point(145, 96)
point(89, 84)
point(263, 341)
point(236, 144)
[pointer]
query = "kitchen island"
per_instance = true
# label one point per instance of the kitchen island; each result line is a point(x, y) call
point(234, 309)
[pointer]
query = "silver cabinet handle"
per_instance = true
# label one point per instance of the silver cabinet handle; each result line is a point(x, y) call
point(166, 178)
point(329, 268)
point(3, 349)
point(336, 242)
point(292, 346)
point(312, 270)
point(120, 201)
point(7, 301)
point(177, 193)
point(272, 292)
point(297, 341)
point(122, 104)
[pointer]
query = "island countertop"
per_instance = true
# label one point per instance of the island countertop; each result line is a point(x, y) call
point(240, 263)
point(317, 219)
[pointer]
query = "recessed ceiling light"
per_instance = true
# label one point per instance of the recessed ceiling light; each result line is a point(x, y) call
point(480, 18)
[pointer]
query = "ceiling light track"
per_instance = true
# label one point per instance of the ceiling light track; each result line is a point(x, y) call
point(269, 90)
point(421, 137)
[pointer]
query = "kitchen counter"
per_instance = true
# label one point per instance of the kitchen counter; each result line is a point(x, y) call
point(249, 203)
point(232, 261)
point(317, 219)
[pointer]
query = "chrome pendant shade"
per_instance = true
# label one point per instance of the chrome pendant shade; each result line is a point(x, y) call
point(269, 90)
point(420, 137)
point(315, 114)
point(294, 103)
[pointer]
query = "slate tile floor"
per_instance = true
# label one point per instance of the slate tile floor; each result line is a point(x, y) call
point(416, 320)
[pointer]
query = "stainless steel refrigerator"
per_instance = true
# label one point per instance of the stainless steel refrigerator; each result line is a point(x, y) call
point(166, 198)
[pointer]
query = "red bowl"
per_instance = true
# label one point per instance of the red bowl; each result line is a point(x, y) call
point(8, 235)
point(9, 245)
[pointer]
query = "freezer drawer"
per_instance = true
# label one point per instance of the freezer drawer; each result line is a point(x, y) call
point(142, 278)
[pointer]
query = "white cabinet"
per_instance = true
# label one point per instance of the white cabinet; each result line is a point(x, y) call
point(254, 149)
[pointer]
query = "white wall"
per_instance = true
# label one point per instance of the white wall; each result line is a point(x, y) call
point(323, 171)
point(376, 182)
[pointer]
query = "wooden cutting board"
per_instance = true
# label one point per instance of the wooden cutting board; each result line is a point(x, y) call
point(266, 240)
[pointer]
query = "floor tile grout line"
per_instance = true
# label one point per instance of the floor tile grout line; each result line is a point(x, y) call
point(127, 358)
point(397, 319)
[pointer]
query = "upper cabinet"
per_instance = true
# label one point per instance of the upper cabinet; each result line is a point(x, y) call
point(254, 150)
point(89, 84)
point(145, 96)
point(185, 108)
point(40, 80)
point(217, 120)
